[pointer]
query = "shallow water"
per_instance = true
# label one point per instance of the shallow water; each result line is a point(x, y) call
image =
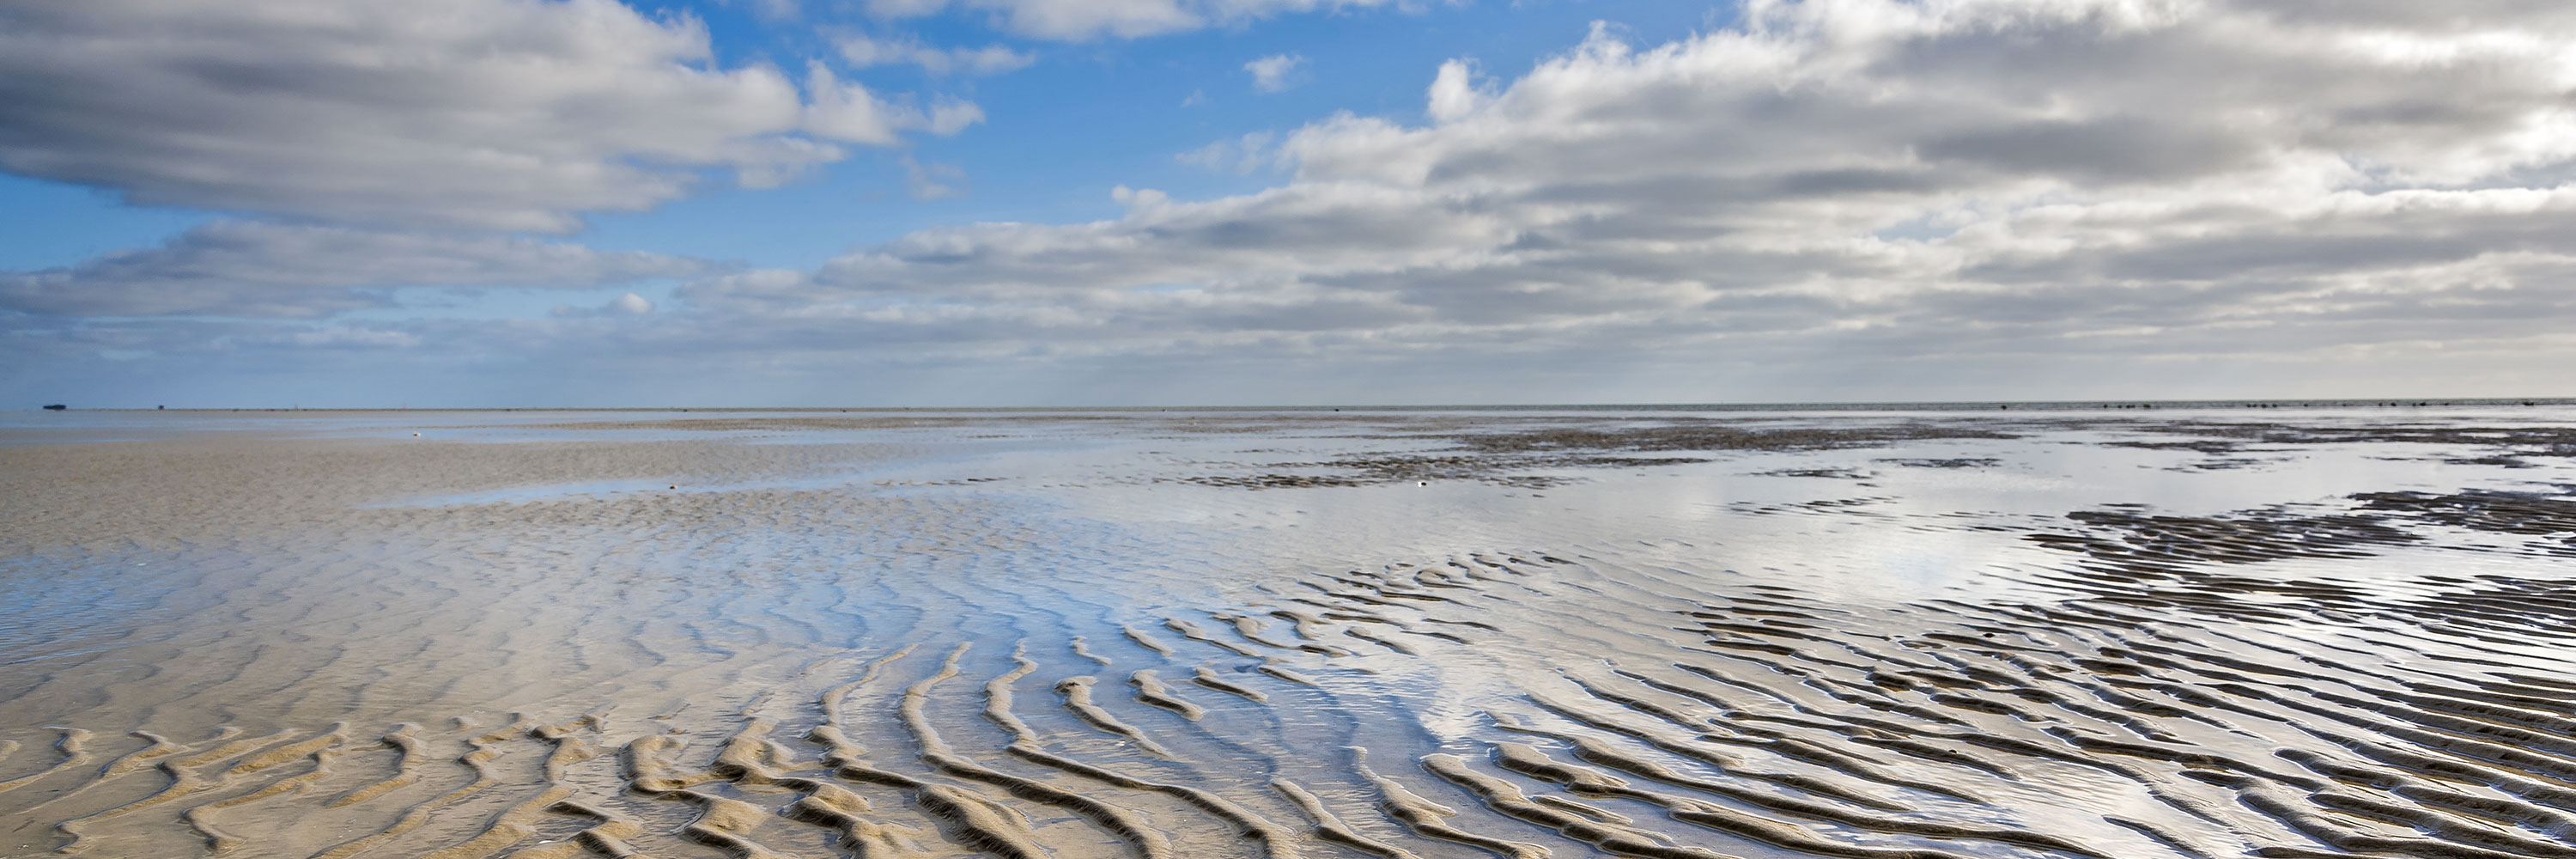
point(1418, 633)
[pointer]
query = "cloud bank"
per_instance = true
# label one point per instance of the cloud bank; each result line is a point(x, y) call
point(2039, 177)
point(1853, 196)
point(477, 114)
point(249, 269)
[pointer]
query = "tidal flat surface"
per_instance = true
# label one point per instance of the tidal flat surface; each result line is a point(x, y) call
point(1886, 635)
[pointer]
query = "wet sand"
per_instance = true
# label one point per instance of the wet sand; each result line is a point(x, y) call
point(1241, 633)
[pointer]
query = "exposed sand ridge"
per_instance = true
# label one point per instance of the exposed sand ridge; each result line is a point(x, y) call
point(1686, 637)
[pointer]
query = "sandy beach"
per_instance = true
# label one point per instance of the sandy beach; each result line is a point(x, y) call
point(2219, 632)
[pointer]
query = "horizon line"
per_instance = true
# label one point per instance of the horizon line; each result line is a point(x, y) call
point(2099, 402)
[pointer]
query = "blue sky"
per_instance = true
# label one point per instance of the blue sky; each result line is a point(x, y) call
point(1069, 202)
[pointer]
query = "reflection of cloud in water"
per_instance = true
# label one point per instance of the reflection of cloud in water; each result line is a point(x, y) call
point(843, 635)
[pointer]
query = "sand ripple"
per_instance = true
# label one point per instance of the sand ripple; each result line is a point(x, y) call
point(819, 672)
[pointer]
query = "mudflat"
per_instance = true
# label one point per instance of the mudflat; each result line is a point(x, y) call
point(1886, 635)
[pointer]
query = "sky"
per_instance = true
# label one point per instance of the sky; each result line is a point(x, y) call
point(530, 203)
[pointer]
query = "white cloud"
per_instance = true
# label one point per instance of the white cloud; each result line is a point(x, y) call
point(847, 111)
point(1139, 198)
point(486, 114)
point(932, 181)
point(1963, 181)
point(629, 304)
point(949, 116)
point(253, 269)
point(1078, 20)
point(1454, 93)
point(862, 51)
point(1277, 72)
point(1847, 198)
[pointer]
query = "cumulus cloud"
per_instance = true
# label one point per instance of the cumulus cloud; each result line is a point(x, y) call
point(1454, 92)
point(847, 111)
point(1077, 20)
point(1277, 72)
point(1864, 197)
point(948, 116)
point(862, 51)
point(2005, 177)
point(263, 270)
point(484, 114)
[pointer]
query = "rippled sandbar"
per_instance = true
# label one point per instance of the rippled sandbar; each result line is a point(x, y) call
point(1884, 635)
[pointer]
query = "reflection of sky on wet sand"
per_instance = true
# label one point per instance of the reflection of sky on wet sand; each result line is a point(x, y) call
point(1890, 532)
point(1840, 598)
